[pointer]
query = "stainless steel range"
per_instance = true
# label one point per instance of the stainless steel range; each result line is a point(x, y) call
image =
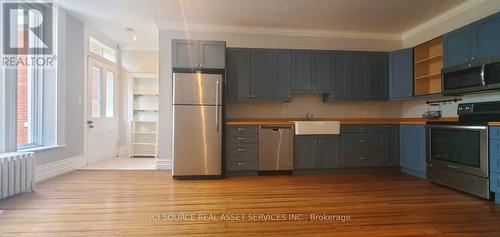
point(457, 153)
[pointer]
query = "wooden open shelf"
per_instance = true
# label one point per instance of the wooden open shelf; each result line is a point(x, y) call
point(428, 63)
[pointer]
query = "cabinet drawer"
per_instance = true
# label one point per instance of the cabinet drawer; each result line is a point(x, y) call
point(241, 164)
point(238, 130)
point(242, 150)
point(495, 133)
point(362, 159)
point(243, 138)
point(362, 128)
point(495, 182)
point(362, 141)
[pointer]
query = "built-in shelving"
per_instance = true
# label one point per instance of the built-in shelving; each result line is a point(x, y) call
point(428, 63)
point(145, 106)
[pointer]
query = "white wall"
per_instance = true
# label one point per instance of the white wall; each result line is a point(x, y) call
point(297, 107)
point(304, 103)
point(71, 77)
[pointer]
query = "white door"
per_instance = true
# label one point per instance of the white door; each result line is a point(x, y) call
point(102, 115)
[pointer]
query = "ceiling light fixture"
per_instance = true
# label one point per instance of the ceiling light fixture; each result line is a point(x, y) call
point(134, 37)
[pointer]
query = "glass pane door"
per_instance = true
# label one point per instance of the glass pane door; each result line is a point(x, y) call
point(96, 81)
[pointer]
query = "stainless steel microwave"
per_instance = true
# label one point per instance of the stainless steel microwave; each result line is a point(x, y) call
point(476, 76)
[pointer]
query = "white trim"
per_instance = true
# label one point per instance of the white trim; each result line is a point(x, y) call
point(163, 164)
point(461, 8)
point(56, 168)
point(275, 31)
point(42, 148)
point(145, 75)
point(123, 151)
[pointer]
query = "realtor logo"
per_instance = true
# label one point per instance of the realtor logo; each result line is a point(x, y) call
point(33, 22)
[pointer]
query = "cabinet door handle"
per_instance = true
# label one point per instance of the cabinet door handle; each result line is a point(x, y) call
point(241, 150)
point(361, 141)
point(242, 129)
point(362, 158)
point(241, 163)
point(241, 138)
point(473, 58)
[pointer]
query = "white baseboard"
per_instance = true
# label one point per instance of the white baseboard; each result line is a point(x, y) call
point(56, 168)
point(123, 151)
point(163, 164)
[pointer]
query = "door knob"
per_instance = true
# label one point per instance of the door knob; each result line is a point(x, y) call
point(90, 124)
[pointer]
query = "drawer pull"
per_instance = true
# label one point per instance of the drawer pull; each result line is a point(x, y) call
point(362, 158)
point(242, 129)
point(242, 163)
point(241, 138)
point(361, 141)
point(241, 150)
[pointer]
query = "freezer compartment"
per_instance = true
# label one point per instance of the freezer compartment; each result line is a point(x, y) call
point(197, 89)
point(197, 141)
point(276, 148)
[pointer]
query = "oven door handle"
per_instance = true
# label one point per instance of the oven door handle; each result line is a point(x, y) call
point(458, 127)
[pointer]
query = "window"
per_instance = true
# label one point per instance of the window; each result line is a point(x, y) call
point(101, 50)
point(110, 77)
point(96, 91)
point(29, 94)
point(102, 92)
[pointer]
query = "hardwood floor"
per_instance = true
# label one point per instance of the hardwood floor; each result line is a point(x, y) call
point(121, 203)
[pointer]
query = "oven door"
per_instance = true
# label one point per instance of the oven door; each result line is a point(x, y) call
point(458, 147)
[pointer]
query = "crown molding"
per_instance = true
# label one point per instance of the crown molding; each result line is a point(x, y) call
point(275, 31)
point(461, 8)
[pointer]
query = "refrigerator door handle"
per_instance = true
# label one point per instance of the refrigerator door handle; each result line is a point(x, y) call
point(217, 88)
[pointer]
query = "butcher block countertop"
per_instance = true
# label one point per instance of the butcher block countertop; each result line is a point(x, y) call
point(290, 121)
point(494, 123)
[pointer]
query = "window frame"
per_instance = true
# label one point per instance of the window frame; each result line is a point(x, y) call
point(35, 103)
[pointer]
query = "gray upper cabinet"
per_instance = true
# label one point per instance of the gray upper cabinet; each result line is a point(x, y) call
point(459, 46)
point(358, 76)
point(376, 82)
point(488, 37)
point(238, 83)
point(401, 74)
point(302, 70)
point(194, 54)
point(321, 72)
point(311, 71)
point(478, 40)
point(284, 75)
point(212, 54)
point(184, 53)
point(264, 74)
point(259, 74)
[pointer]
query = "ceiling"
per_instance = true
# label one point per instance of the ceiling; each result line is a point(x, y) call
point(381, 17)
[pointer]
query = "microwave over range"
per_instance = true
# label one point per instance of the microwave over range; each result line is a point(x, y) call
point(472, 77)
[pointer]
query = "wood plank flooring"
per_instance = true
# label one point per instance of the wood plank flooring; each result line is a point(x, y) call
point(140, 203)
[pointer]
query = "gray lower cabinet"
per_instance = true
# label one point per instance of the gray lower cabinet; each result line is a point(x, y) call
point(368, 146)
point(259, 74)
point(413, 149)
point(316, 152)
point(392, 158)
point(198, 54)
point(401, 74)
point(241, 149)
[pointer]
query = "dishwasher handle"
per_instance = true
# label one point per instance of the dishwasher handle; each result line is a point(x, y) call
point(276, 128)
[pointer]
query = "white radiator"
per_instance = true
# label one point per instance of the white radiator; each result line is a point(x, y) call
point(16, 173)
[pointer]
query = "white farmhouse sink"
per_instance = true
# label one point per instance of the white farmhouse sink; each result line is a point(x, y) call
point(317, 127)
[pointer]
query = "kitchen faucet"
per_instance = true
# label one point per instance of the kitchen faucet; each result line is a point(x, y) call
point(309, 116)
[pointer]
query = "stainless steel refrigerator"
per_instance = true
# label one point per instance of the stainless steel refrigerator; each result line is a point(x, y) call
point(197, 139)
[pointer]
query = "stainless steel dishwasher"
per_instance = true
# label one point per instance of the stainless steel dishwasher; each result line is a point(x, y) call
point(276, 148)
